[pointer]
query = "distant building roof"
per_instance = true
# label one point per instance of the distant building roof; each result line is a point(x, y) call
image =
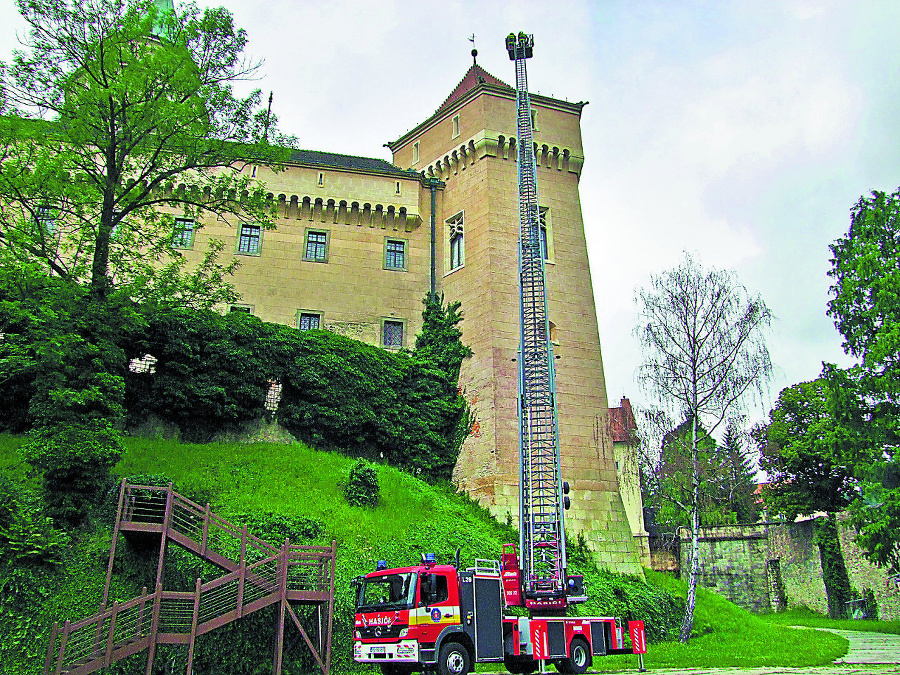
point(474, 76)
point(336, 161)
point(621, 422)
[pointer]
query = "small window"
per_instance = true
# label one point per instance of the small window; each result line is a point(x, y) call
point(273, 396)
point(316, 246)
point(415, 152)
point(392, 334)
point(241, 308)
point(44, 220)
point(397, 191)
point(455, 126)
point(321, 180)
point(456, 241)
point(184, 233)
point(441, 591)
point(309, 320)
point(395, 254)
point(249, 240)
point(546, 234)
point(534, 119)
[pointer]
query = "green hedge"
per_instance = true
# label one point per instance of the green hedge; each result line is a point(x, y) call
point(213, 372)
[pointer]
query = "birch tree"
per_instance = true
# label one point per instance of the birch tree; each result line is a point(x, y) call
point(703, 340)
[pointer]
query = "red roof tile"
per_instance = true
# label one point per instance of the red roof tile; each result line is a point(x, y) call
point(474, 76)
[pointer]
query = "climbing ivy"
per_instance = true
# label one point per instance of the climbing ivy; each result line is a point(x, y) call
point(834, 573)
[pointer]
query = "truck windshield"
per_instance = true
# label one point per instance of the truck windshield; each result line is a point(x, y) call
point(389, 591)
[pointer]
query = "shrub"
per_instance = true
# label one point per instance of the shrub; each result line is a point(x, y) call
point(362, 485)
point(75, 460)
point(276, 527)
point(30, 538)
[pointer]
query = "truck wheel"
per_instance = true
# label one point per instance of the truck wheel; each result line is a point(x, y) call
point(454, 660)
point(579, 657)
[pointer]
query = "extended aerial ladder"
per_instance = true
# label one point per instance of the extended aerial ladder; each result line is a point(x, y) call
point(542, 497)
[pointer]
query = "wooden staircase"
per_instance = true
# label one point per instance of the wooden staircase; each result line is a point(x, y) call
point(257, 575)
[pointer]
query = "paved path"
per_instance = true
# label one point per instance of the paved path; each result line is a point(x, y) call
point(869, 647)
point(867, 654)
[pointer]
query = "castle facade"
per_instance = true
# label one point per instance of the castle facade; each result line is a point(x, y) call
point(360, 242)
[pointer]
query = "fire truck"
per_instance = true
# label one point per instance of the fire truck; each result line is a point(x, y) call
point(439, 618)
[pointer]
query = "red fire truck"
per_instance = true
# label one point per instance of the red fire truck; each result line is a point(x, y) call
point(431, 617)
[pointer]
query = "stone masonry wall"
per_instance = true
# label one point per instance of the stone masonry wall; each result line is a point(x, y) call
point(748, 564)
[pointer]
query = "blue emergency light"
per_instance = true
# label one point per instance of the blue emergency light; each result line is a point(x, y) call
point(381, 565)
point(430, 558)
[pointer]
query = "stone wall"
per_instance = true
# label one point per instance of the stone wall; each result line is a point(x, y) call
point(762, 567)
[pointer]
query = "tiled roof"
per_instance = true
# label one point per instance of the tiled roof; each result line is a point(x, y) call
point(474, 76)
point(336, 161)
point(621, 422)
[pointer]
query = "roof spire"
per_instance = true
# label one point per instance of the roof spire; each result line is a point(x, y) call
point(481, 79)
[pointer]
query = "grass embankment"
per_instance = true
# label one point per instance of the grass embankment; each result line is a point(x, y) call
point(412, 517)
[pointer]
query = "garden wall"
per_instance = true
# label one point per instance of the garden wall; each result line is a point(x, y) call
point(768, 566)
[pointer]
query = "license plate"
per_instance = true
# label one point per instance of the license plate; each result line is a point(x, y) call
point(378, 650)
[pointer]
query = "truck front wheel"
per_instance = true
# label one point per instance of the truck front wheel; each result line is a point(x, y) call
point(454, 660)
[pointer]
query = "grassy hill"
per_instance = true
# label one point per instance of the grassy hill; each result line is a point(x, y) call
point(295, 486)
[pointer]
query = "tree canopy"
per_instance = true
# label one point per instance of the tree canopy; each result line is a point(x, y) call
point(118, 119)
point(806, 453)
point(703, 338)
point(865, 307)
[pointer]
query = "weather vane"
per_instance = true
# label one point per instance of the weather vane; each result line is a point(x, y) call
point(474, 51)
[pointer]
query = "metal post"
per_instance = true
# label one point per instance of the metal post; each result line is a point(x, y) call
point(194, 616)
point(112, 548)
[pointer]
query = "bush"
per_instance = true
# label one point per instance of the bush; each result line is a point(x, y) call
point(276, 527)
point(362, 485)
point(75, 460)
point(30, 538)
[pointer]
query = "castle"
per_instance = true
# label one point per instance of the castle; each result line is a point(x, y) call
point(361, 241)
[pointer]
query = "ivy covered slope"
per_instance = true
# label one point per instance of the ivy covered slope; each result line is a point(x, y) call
point(278, 491)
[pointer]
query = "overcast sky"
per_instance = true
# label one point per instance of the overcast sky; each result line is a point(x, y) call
point(741, 132)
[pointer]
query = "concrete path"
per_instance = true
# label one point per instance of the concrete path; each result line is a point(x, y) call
point(869, 647)
point(867, 654)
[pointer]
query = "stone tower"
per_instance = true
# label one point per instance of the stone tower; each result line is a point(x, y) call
point(469, 145)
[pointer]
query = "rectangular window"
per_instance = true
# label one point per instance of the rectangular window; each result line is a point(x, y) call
point(415, 152)
point(309, 321)
point(249, 240)
point(546, 231)
point(316, 246)
point(534, 119)
point(44, 220)
point(241, 308)
point(321, 181)
point(184, 233)
point(455, 126)
point(395, 254)
point(392, 334)
point(456, 241)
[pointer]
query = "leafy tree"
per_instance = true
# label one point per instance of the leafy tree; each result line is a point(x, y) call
point(119, 118)
point(866, 310)
point(805, 453)
point(704, 352)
